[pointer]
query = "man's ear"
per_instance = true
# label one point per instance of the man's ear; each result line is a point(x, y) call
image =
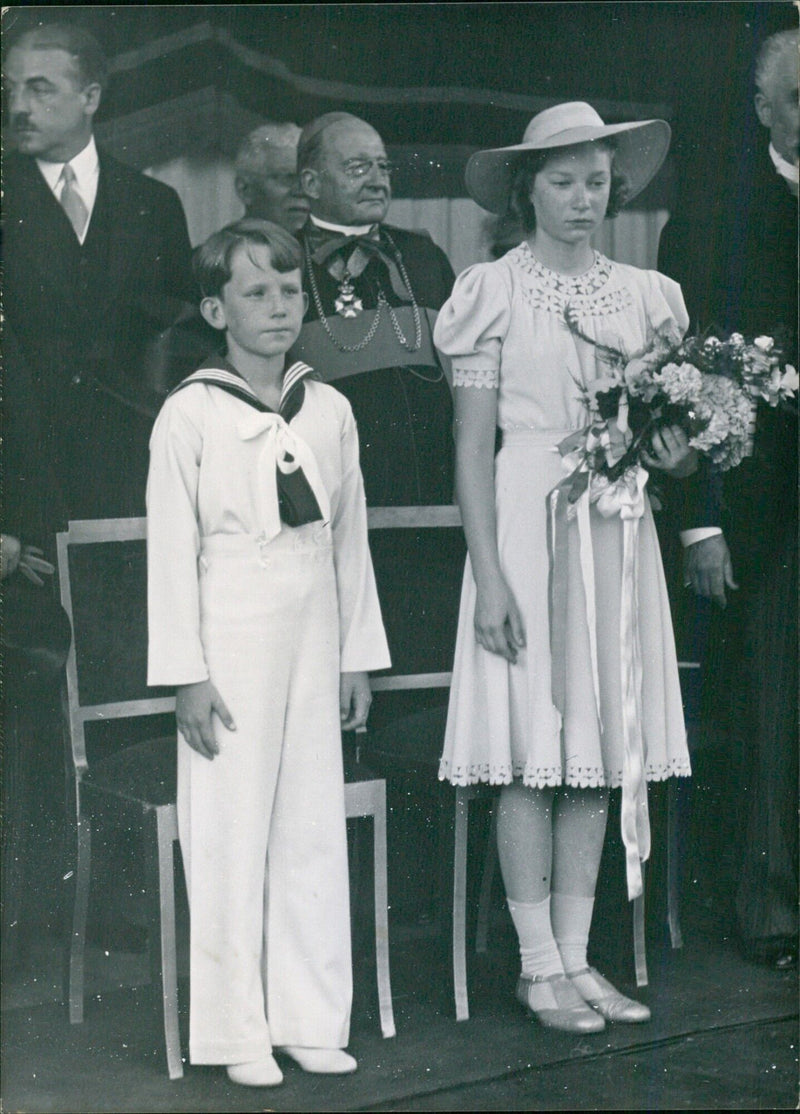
point(244, 190)
point(763, 109)
point(92, 93)
point(309, 182)
point(305, 303)
point(213, 312)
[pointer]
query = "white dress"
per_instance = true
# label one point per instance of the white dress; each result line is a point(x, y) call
point(504, 330)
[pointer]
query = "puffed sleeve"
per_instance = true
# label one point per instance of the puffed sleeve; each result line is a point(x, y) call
point(473, 323)
point(362, 638)
point(175, 652)
point(665, 302)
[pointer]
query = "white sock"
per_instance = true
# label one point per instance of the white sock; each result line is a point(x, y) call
point(537, 946)
point(572, 919)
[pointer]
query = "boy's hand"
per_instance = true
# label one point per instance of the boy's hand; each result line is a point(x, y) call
point(194, 707)
point(355, 697)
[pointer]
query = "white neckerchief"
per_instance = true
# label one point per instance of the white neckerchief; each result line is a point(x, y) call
point(87, 173)
point(784, 167)
point(344, 229)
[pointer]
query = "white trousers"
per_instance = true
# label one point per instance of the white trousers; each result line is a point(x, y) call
point(262, 825)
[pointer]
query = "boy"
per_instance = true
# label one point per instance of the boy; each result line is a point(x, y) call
point(264, 615)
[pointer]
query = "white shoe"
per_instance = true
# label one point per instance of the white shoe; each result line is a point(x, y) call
point(598, 993)
point(256, 1073)
point(322, 1061)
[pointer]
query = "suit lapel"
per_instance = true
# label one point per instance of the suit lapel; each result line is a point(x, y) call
point(37, 228)
point(117, 218)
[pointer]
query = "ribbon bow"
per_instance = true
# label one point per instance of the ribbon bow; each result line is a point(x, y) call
point(289, 485)
point(353, 254)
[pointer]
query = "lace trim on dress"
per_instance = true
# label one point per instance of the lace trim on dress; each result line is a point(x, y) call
point(552, 291)
point(476, 377)
point(541, 777)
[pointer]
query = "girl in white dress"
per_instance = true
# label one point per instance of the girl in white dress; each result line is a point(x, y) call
point(517, 366)
point(263, 613)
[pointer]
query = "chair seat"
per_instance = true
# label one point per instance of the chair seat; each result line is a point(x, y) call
point(410, 742)
point(146, 773)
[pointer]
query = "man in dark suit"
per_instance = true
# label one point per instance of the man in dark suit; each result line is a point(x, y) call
point(96, 260)
point(96, 266)
point(749, 283)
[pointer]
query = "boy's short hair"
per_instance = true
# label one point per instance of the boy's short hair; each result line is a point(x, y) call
point(212, 260)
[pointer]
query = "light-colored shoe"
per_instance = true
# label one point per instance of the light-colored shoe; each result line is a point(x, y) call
point(557, 1004)
point(598, 993)
point(256, 1073)
point(321, 1061)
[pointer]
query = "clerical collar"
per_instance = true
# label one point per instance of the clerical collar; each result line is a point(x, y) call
point(342, 229)
point(783, 166)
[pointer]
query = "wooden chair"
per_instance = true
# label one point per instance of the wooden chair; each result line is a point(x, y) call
point(102, 574)
point(408, 745)
point(422, 736)
point(103, 580)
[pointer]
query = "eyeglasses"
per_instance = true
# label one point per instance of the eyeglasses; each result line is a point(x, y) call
point(359, 168)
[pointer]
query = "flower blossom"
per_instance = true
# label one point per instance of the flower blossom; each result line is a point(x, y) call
point(680, 382)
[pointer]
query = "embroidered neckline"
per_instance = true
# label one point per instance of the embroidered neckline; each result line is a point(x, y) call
point(568, 286)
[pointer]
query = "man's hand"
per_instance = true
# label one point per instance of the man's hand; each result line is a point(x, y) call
point(10, 551)
point(671, 452)
point(194, 707)
point(355, 697)
point(707, 567)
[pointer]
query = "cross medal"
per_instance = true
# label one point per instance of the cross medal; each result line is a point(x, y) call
point(348, 303)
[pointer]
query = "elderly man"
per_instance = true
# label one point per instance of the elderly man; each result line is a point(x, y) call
point(754, 647)
point(96, 265)
point(266, 176)
point(374, 292)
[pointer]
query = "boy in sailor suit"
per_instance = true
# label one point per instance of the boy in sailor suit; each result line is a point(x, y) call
point(264, 615)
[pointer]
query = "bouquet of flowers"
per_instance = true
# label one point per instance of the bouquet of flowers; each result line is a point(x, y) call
point(707, 386)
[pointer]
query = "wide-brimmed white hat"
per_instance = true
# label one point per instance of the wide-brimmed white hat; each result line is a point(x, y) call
point(641, 147)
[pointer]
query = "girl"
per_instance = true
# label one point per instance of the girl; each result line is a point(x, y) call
point(264, 615)
point(516, 365)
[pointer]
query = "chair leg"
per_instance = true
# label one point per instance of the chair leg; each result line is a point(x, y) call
point(77, 950)
point(485, 899)
point(159, 849)
point(382, 911)
point(460, 903)
point(673, 864)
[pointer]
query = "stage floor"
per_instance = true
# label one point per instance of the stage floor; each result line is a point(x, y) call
point(723, 1036)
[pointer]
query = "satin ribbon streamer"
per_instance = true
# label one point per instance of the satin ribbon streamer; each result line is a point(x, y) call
point(625, 498)
point(282, 449)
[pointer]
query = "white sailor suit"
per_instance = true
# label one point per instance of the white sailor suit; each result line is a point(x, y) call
point(272, 614)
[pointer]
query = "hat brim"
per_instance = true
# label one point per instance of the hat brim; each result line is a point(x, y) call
point(641, 149)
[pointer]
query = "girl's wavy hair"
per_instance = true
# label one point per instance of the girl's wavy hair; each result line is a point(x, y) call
point(211, 261)
point(520, 206)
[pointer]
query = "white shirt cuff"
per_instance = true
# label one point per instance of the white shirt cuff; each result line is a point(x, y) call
point(699, 534)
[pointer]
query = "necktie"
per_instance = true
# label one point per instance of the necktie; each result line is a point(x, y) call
point(71, 201)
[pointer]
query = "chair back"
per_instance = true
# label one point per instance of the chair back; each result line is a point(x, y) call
point(102, 570)
point(441, 606)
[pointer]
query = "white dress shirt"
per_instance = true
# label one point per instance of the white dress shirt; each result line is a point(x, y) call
point(87, 174)
point(789, 171)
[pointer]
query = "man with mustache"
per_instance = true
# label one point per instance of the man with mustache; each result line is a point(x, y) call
point(96, 261)
point(97, 264)
point(266, 176)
